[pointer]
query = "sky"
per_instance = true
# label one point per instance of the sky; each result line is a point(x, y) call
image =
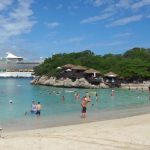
point(38, 29)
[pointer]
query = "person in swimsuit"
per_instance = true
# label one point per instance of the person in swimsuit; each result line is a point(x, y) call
point(84, 106)
point(33, 107)
point(38, 109)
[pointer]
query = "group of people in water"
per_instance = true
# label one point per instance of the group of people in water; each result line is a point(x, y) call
point(35, 108)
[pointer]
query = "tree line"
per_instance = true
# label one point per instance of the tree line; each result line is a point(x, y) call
point(134, 64)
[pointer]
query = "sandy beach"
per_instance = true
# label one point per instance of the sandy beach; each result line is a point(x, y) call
point(132, 133)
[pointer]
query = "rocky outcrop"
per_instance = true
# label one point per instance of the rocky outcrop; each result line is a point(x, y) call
point(52, 81)
point(82, 83)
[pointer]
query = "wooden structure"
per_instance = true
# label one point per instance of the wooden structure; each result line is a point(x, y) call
point(93, 76)
point(72, 71)
point(68, 66)
point(111, 79)
point(78, 72)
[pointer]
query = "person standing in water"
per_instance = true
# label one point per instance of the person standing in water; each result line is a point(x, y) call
point(77, 96)
point(33, 107)
point(84, 107)
point(63, 98)
point(96, 97)
point(38, 109)
point(113, 93)
point(149, 91)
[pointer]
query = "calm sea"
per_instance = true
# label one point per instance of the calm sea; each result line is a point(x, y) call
point(54, 110)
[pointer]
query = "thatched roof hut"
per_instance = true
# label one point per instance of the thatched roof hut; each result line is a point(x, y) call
point(81, 68)
point(68, 66)
point(110, 74)
point(91, 71)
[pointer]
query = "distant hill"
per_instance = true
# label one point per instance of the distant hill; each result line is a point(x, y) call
point(134, 64)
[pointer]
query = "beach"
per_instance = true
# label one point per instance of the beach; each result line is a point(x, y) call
point(131, 133)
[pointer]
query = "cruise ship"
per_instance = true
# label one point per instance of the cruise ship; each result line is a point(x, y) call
point(14, 66)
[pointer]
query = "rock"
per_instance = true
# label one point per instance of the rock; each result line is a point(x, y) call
point(42, 80)
point(68, 83)
point(52, 81)
point(83, 83)
point(103, 85)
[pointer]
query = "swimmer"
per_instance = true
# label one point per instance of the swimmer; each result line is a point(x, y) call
point(112, 92)
point(25, 113)
point(96, 97)
point(63, 98)
point(10, 101)
point(77, 97)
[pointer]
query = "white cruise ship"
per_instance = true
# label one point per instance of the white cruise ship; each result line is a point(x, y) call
point(14, 66)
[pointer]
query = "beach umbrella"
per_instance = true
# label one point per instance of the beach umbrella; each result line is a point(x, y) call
point(58, 67)
point(68, 70)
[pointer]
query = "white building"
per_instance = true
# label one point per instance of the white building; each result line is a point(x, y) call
point(14, 65)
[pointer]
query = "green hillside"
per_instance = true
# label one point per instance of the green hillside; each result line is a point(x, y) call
point(134, 64)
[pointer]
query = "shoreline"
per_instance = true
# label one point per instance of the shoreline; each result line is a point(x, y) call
point(83, 83)
point(119, 134)
point(26, 124)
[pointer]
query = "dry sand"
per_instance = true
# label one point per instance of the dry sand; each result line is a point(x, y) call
point(132, 133)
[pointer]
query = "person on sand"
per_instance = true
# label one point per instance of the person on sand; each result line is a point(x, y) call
point(84, 106)
point(38, 109)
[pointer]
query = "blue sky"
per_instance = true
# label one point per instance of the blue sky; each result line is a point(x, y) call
point(40, 28)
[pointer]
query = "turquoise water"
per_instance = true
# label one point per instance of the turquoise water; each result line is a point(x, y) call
point(21, 92)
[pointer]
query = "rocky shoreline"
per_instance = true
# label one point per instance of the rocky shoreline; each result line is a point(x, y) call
point(83, 83)
point(78, 83)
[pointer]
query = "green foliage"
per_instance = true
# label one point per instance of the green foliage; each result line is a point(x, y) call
point(133, 64)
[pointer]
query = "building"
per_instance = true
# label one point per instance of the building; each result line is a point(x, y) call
point(14, 66)
point(111, 79)
point(93, 76)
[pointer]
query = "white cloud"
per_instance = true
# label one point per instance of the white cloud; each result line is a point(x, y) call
point(97, 18)
point(126, 20)
point(140, 4)
point(96, 2)
point(123, 8)
point(4, 4)
point(53, 24)
point(17, 21)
